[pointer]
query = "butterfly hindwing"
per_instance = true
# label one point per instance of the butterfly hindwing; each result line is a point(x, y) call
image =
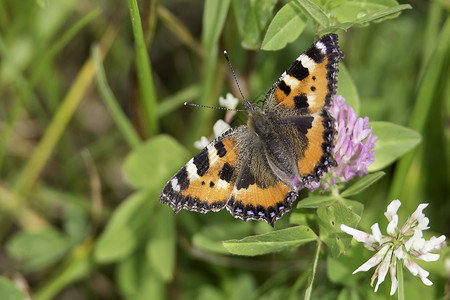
point(258, 193)
point(230, 172)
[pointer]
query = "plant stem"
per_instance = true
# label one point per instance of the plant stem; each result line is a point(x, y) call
point(313, 271)
point(401, 286)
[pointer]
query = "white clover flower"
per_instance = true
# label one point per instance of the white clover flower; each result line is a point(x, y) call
point(202, 143)
point(220, 127)
point(404, 244)
point(229, 101)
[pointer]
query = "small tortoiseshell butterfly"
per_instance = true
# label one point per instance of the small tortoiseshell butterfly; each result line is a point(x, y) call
point(256, 170)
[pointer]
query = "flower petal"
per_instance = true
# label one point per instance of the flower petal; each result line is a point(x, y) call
point(229, 102)
point(220, 127)
point(416, 242)
point(392, 226)
point(428, 257)
point(376, 232)
point(382, 271)
point(202, 143)
point(434, 244)
point(372, 262)
point(358, 235)
point(393, 279)
point(416, 270)
point(392, 209)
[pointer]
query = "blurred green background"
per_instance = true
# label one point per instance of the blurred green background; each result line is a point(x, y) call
point(79, 214)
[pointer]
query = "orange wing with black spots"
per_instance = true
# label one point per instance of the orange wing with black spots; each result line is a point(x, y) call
point(206, 181)
point(309, 83)
point(231, 173)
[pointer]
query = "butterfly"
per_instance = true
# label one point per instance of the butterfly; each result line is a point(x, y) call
point(256, 170)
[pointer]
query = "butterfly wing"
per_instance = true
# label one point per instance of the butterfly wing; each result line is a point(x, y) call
point(230, 172)
point(309, 83)
point(206, 181)
point(299, 98)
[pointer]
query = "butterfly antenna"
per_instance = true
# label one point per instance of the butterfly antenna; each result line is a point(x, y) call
point(234, 75)
point(213, 107)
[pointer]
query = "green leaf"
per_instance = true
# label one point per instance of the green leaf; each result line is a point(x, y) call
point(274, 241)
point(362, 18)
point(362, 184)
point(239, 286)
point(355, 206)
point(38, 249)
point(285, 27)
point(9, 291)
point(161, 245)
point(347, 88)
point(211, 238)
point(251, 18)
point(137, 279)
point(314, 12)
point(393, 142)
point(317, 201)
point(151, 164)
point(126, 228)
point(302, 217)
point(330, 220)
point(351, 11)
point(214, 15)
point(338, 269)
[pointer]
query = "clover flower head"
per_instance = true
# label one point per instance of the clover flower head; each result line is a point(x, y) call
point(404, 244)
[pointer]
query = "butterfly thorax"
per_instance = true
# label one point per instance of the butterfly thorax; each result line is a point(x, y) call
point(259, 123)
point(279, 153)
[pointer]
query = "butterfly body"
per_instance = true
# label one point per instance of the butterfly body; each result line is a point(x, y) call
point(256, 170)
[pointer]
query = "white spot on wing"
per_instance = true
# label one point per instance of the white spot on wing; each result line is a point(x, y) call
point(222, 184)
point(307, 62)
point(191, 171)
point(290, 81)
point(175, 186)
point(321, 46)
point(212, 154)
point(312, 99)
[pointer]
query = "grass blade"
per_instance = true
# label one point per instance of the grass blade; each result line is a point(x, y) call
point(144, 71)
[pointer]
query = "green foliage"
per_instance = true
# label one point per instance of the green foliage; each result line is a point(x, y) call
point(280, 32)
point(8, 290)
point(272, 241)
point(125, 229)
point(158, 159)
point(83, 159)
point(393, 142)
